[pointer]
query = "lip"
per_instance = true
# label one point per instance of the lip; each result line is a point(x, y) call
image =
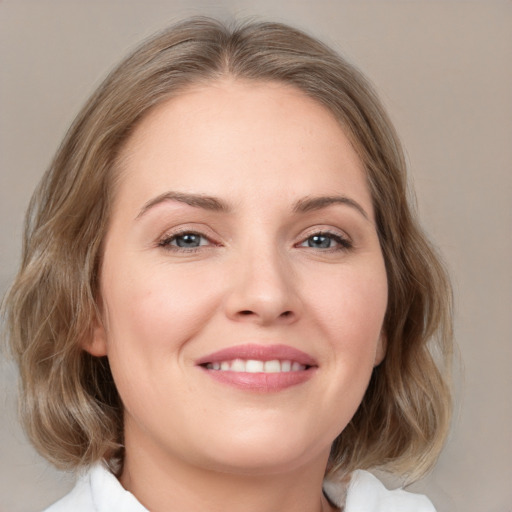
point(260, 382)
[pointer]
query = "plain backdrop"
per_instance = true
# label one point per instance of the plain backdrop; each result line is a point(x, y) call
point(443, 69)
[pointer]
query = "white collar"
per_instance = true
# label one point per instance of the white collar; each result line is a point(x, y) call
point(366, 493)
point(108, 495)
point(99, 491)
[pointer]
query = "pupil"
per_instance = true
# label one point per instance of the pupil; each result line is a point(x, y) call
point(321, 241)
point(189, 240)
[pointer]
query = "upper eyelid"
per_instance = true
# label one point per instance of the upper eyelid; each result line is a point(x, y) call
point(203, 230)
point(172, 236)
point(325, 230)
point(344, 241)
point(165, 243)
point(165, 238)
point(177, 231)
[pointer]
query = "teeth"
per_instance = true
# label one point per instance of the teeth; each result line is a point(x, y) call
point(238, 366)
point(272, 366)
point(286, 366)
point(256, 366)
point(253, 366)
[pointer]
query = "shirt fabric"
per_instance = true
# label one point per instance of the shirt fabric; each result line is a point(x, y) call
point(99, 491)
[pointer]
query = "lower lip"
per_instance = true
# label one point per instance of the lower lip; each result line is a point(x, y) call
point(261, 382)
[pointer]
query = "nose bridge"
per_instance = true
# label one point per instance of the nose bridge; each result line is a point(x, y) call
point(264, 288)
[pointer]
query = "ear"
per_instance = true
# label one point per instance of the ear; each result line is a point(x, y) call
point(380, 352)
point(96, 344)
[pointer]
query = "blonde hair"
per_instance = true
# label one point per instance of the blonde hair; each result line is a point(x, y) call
point(70, 406)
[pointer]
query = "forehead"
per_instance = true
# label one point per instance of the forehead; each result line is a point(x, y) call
point(229, 134)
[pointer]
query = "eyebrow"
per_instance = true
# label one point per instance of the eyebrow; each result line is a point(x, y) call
point(196, 200)
point(309, 204)
point(215, 204)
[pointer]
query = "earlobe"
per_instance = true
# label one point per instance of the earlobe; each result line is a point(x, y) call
point(380, 352)
point(96, 345)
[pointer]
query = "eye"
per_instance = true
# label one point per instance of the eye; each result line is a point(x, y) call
point(185, 240)
point(326, 240)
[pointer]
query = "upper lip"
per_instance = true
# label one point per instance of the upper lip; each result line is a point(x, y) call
point(260, 353)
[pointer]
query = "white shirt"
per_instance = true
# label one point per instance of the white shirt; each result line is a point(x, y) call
point(100, 491)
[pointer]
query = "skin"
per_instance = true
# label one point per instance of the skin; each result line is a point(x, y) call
point(257, 277)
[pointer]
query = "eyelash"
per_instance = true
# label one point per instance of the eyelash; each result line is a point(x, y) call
point(344, 244)
point(166, 242)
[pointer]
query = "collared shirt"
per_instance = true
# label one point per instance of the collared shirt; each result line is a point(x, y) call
point(99, 491)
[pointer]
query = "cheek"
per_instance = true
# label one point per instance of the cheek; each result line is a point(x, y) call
point(156, 311)
point(349, 304)
point(151, 317)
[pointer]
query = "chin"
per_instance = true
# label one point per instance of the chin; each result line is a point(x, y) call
point(266, 454)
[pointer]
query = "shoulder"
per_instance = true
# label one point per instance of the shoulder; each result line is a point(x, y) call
point(98, 490)
point(366, 493)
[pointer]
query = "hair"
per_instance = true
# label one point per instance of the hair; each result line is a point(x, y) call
point(70, 406)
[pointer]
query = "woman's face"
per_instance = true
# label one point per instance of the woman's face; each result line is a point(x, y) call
point(243, 287)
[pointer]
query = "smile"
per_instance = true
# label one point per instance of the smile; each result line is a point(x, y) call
point(257, 366)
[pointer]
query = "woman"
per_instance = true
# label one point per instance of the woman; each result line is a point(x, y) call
point(225, 302)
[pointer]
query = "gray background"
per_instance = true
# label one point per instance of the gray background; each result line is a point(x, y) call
point(444, 70)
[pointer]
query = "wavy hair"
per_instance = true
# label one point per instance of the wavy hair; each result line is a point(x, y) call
point(70, 406)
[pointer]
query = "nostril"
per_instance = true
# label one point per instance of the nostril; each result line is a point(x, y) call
point(263, 316)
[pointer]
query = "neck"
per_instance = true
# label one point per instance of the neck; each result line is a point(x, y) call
point(160, 484)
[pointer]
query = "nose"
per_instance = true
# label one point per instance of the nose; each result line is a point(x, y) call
point(264, 290)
